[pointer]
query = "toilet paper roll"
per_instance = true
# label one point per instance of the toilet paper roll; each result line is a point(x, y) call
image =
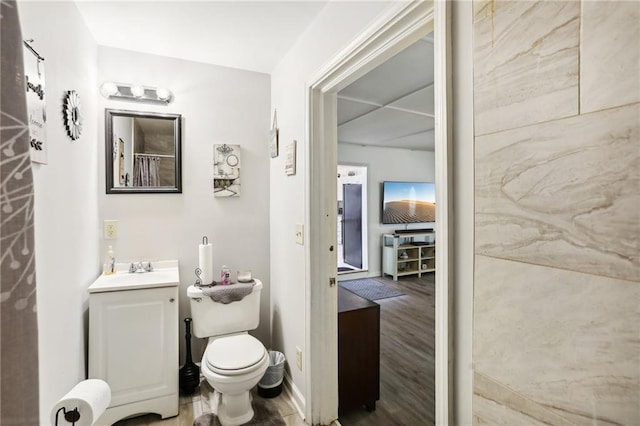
point(91, 397)
point(205, 262)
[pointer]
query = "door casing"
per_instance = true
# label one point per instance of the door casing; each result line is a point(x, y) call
point(403, 25)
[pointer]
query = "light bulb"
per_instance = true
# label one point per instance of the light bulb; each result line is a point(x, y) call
point(108, 88)
point(163, 94)
point(137, 91)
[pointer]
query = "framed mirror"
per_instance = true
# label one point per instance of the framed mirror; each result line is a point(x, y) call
point(143, 152)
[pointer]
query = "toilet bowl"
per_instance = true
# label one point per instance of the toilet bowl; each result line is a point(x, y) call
point(234, 361)
point(233, 365)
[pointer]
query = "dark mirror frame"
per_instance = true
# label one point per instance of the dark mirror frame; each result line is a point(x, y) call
point(109, 164)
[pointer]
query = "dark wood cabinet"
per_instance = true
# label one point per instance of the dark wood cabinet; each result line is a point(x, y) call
point(358, 351)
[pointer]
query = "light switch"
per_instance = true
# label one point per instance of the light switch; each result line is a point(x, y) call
point(299, 233)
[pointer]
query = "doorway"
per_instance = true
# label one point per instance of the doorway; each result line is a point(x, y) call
point(352, 219)
point(386, 120)
point(404, 25)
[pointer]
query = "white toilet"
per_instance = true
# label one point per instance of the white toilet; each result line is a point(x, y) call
point(233, 362)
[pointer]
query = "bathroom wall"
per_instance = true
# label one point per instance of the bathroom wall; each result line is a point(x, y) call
point(386, 164)
point(289, 97)
point(557, 172)
point(66, 198)
point(218, 105)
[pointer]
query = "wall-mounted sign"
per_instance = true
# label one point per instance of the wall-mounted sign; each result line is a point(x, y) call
point(34, 75)
point(290, 159)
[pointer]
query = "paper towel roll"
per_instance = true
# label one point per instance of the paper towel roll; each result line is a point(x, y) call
point(91, 397)
point(205, 262)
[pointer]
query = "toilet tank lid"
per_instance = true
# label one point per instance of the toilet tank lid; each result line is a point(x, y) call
point(194, 291)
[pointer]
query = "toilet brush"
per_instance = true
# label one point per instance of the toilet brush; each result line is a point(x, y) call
point(190, 372)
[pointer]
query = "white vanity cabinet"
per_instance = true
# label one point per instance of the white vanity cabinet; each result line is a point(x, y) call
point(133, 340)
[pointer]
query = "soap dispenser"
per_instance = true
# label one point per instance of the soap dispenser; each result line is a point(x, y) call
point(225, 275)
point(109, 266)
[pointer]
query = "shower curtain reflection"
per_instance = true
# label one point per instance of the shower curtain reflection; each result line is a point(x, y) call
point(146, 170)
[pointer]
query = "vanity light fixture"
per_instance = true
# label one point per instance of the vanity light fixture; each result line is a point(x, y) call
point(130, 92)
point(137, 91)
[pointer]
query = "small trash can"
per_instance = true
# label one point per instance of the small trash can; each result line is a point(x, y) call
point(270, 385)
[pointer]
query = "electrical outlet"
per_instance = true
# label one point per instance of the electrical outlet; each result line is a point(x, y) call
point(299, 358)
point(110, 229)
point(300, 233)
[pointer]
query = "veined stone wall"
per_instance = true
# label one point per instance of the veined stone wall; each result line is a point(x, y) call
point(557, 223)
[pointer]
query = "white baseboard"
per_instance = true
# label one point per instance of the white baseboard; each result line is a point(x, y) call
point(358, 275)
point(295, 394)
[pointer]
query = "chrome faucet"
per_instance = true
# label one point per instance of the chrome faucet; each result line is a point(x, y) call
point(140, 267)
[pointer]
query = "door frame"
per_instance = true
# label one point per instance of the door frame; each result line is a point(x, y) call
point(403, 25)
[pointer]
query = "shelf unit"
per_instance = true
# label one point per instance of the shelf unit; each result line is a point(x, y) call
point(408, 254)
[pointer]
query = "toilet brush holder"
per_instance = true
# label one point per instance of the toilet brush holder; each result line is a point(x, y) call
point(189, 378)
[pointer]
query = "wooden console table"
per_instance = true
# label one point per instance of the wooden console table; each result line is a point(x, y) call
point(358, 351)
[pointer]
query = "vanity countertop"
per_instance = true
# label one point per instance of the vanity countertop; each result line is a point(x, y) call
point(165, 274)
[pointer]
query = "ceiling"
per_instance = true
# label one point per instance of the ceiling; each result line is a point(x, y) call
point(392, 105)
point(250, 35)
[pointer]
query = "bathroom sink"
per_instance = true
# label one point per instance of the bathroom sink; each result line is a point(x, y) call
point(165, 273)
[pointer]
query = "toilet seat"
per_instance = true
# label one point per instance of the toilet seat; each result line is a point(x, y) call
point(235, 355)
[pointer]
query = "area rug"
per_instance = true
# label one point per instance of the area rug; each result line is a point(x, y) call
point(265, 414)
point(370, 289)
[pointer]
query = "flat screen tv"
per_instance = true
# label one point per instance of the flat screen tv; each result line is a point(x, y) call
point(408, 202)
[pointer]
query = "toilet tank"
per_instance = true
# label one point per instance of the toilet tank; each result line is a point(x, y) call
point(213, 318)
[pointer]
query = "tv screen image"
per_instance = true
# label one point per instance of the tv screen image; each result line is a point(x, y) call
point(408, 202)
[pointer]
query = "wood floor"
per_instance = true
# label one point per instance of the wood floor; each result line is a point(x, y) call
point(203, 401)
point(407, 357)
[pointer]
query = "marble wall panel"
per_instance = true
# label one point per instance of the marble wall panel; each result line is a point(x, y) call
point(496, 404)
point(525, 62)
point(570, 342)
point(609, 54)
point(563, 193)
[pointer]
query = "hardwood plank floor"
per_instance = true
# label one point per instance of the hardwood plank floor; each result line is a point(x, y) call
point(407, 357)
point(204, 400)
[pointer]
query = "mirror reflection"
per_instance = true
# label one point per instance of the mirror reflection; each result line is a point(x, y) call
point(143, 152)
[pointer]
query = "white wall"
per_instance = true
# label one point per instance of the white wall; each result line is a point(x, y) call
point(335, 27)
point(386, 164)
point(218, 105)
point(66, 198)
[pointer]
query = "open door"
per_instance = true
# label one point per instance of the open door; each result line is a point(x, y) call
point(352, 224)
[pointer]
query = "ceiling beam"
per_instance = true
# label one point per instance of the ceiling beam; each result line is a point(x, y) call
point(388, 105)
point(392, 139)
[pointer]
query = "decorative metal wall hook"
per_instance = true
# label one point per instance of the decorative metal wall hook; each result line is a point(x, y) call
point(27, 43)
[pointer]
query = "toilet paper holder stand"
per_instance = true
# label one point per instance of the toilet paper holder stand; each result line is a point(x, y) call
point(71, 416)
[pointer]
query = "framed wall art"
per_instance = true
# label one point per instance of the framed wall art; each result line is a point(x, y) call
point(226, 170)
point(273, 147)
